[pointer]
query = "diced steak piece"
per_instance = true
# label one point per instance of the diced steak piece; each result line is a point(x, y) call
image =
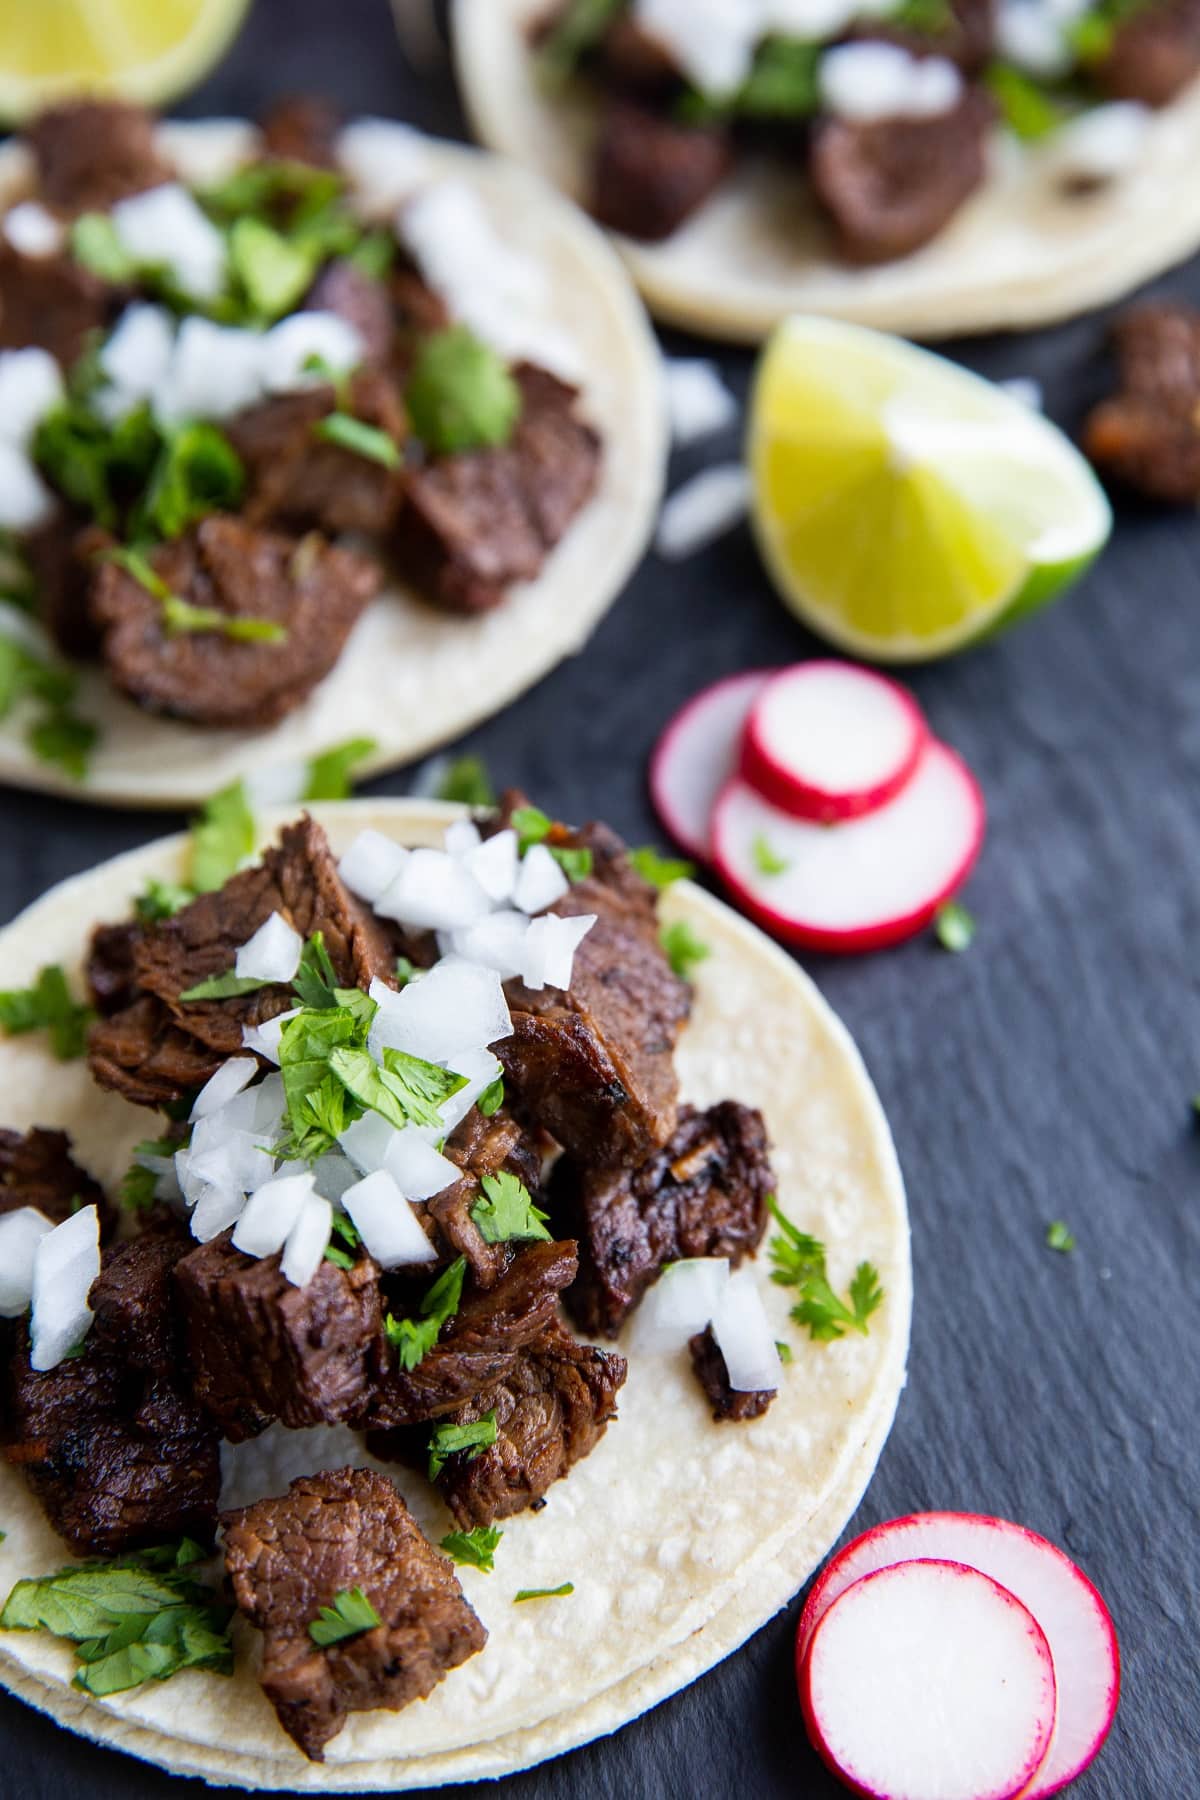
point(1155, 53)
point(289, 1557)
point(92, 153)
point(37, 1169)
point(967, 37)
point(595, 1066)
point(1147, 436)
point(363, 302)
point(295, 480)
point(475, 523)
point(314, 591)
point(551, 1411)
point(133, 1297)
point(418, 308)
point(713, 1377)
point(651, 172)
point(479, 1346)
point(703, 1195)
point(633, 59)
point(482, 1147)
point(111, 980)
point(302, 128)
point(890, 186)
point(146, 1058)
point(259, 1349)
point(50, 303)
point(61, 558)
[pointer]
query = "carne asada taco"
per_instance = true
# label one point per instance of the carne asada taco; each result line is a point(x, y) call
point(297, 428)
point(520, 1319)
point(925, 166)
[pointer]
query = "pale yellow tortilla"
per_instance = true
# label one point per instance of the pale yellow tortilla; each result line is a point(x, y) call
point(1019, 254)
point(681, 1536)
point(413, 677)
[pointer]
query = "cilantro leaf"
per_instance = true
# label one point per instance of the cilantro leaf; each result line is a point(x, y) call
point(273, 271)
point(22, 674)
point(660, 871)
point(508, 1213)
point(766, 860)
point(349, 433)
point(576, 864)
point(330, 775)
point(492, 1098)
point(95, 244)
point(318, 1106)
point(467, 781)
point(139, 1185)
point(531, 825)
point(48, 1006)
point(683, 948)
point(799, 1262)
point(1029, 112)
point(460, 395)
point(315, 981)
point(1059, 1236)
point(468, 1441)
point(476, 1548)
point(577, 28)
point(349, 1616)
point(782, 84)
point(225, 987)
point(94, 464)
point(406, 971)
point(162, 900)
point(222, 838)
point(64, 740)
point(406, 1090)
point(180, 616)
point(783, 1350)
point(197, 472)
point(568, 1587)
point(954, 926)
point(413, 1339)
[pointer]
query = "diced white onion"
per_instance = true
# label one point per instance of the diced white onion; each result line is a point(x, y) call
point(498, 942)
point(371, 864)
point(418, 1170)
point(681, 1302)
point(166, 226)
point(1100, 145)
point(744, 1336)
point(698, 402)
point(307, 1241)
point(238, 1163)
point(265, 1037)
point(367, 1140)
point(219, 1089)
point(457, 1006)
point(272, 954)
point(31, 385)
point(550, 949)
point(25, 500)
point(215, 371)
point(386, 1222)
point(433, 893)
point(383, 161)
point(137, 356)
point(334, 1173)
point(702, 510)
point(481, 1069)
point(494, 865)
point(1031, 37)
point(462, 837)
point(874, 80)
point(66, 1261)
point(33, 231)
point(215, 1210)
point(486, 282)
point(288, 346)
point(271, 1213)
point(20, 1234)
point(540, 881)
point(712, 42)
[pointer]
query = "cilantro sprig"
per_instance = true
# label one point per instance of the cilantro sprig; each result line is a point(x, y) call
point(660, 871)
point(558, 1593)
point(684, 950)
point(349, 1615)
point(467, 1441)
point(48, 1006)
point(533, 826)
point(476, 1548)
point(799, 1262)
point(413, 1339)
point(507, 1213)
point(467, 782)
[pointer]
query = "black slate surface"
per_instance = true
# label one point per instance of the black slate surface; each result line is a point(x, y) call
point(1045, 1074)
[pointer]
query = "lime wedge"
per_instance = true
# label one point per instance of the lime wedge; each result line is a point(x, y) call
point(905, 507)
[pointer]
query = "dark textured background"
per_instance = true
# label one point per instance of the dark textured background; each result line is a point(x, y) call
point(1047, 1073)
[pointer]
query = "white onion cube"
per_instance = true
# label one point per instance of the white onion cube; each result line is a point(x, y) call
point(702, 510)
point(540, 881)
point(387, 1223)
point(32, 230)
point(165, 225)
point(334, 1173)
point(744, 1336)
point(296, 341)
point(265, 1038)
point(271, 1213)
point(462, 837)
point(682, 1302)
point(698, 402)
point(138, 354)
point(25, 500)
point(273, 953)
point(457, 1006)
point(418, 1170)
point(31, 385)
point(383, 160)
point(66, 1262)
point(215, 372)
point(20, 1234)
point(214, 1211)
point(307, 1241)
point(482, 1070)
point(494, 865)
point(371, 864)
point(498, 942)
point(433, 893)
point(550, 949)
point(219, 1089)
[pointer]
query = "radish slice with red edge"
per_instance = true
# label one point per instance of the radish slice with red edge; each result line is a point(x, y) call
point(1078, 1628)
point(929, 1681)
point(696, 755)
point(860, 885)
point(828, 740)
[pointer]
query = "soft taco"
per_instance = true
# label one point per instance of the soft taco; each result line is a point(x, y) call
point(302, 432)
point(520, 1318)
point(926, 166)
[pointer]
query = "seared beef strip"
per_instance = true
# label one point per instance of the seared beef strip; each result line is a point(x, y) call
point(703, 1195)
point(713, 1377)
point(111, 980)
point(892, 185)
point(651, 173)
point(145, 1057)
point(37, 1169)
point(363, 302)
point(302, 128)
point(61, 556)
point(92, 153)
point(1155, 53)
point(478, 1347)
point(137, 1318)
point(289, 1557)
point(259, 1349)
point(50, 303)
point(316, 592)
point(475, 523)
point(1147, 435)
point(482, 1147)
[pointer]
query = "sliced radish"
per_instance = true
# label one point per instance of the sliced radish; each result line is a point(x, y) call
point(929, 1681)
point(828, 740)
point(1083, 1643)
point(864, 883)
point(697, 754)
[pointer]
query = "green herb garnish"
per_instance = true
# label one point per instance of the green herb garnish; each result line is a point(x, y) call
point(467, 782)
point(180, 615)
point(273, 271)
point(93, 463)
point(1027, 109)
point(476, 1548)
point(197, 472)
point(683, 948)
point(782, 84)
point(413, 1339)
point(225, 987)
point(139, 1186)
point(492, 1098)
point(766, 860)
point(349, 433)
point(533, 826)
point(468, 1441)
point(95, 244)
point(343, 1227)
point(405, 1090)
point(315, 981)
point(330, 775)
point(954, 926)
point(349, 1616)
point(64, 740)
point(222, 838)
point(578, 27)
point(1059, 1236)
point(48, 1006)
point(784, 1350)
point(568, 1587)
point(799, 1262)
point(507, 1214)
point(460, 395)
point(660, 871)
point(162, 900)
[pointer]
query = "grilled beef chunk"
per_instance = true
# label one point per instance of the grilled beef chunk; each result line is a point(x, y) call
point(110, 972)
point(1148, 434)
point(967, 36)
point(296, 480)
point(50, 302)
point(133, 1298)
point(345, 289)
point(61, 558)
point(289, 1557)
point(314, 591)
point(713, 1377)
point(475, 523)
point(145, 1057)
point(417, 308)
point(1155, 53)
point(302, 128)
point(92, 153)
point(595, 1067)
point(479, 1346)
point(259, 1349)
point(703, 1195)
point(892, 185)
point(36, 1169)
point(651, 173)
point(635, 60)
point(482, 1147)
point(551, 1410)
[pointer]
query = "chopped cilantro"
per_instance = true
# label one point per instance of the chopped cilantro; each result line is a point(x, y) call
point(492, 1098)
point(508, 1214)
point(460, 395)
point(468, 1441)
point(568, 1587)
point(95, 244)
point(954, 926)
point(660, 871)
point(406, 1090)
point(374, 254)
point(782, 84)
point(330, 775)
point(93, 463)
point(225, 987)
point(315, 981)
point(406, 971)
point(413, 1339)
point(1059, 1236)
point(683, 948)
point(1025, 107)
point(925, 18)
point(467, 781)
point(341, 1259)
point(180, 615)
point(476, 1548)
point(766, 860)
point(578, 27)
point(531, 825)
point(197, 472)
point(349, 433)
point(799, 1262)
point(576, 864)
point(48, 1006)
point(273, 188)
point(222, 838)
point(338, 379)
point(162, 900)
point(139, 1186)
point(64, 740)
point(784, 1350)
point(273, 271)
point(23, 674)
point(350, 1614)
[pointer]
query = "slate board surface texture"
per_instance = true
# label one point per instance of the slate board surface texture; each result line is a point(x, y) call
point(1047, 1073)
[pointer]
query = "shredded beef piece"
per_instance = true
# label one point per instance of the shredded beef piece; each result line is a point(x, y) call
point(260, 1349)
point(61, 555)
point(146, 1058)
point(37, 1169)
point(111, 981)
point(713, 1377)
point(92, 153)
point(418, 309)
point(892, 185)
point(475, 523)
point(633, 59)
point(652, 173)
point(316, 592)
point(1155, 53)
point(480, 1344)
point(703, 1195)
point(133, 1298)
point(363, 302)
point(295, 480)
point(481, 1147)
point(302, 128)
point(289, 1557)
point(1147, 436)
point(50, 302)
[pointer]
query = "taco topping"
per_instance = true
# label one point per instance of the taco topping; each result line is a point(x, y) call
point(1147, 436)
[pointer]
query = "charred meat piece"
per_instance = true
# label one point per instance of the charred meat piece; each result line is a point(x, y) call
point(417, 308)
point(1147, 436)
point(315, 592)
point(345, 289)
point(61, 556)
point(289, 1557)
point(652, 173)
point(111, 980)
point(51, 303)
point(481, 1147)
point(1155, 53)
point(133, 1299)
point(633, 59)
point(92, 153)
point(146, 1058)
point(967, 37)
point(302, 128)
point(259, 1349)
point(892, 185)
point(37, 1169)
point(713, 1377)
point(479, 1346)
point(551, 1411)
point(475, 523)
point(703, 1195)
point(295, 480)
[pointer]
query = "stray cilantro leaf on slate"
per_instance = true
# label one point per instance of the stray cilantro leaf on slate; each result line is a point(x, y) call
point(1059, 1236)
point(349, 1616)
point(683, 948)
point(476, 1548)
point(469, 1441)
point(508, 1213)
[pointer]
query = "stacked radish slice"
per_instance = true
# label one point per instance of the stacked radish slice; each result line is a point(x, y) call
point(948, 1656)
point(820, 797)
